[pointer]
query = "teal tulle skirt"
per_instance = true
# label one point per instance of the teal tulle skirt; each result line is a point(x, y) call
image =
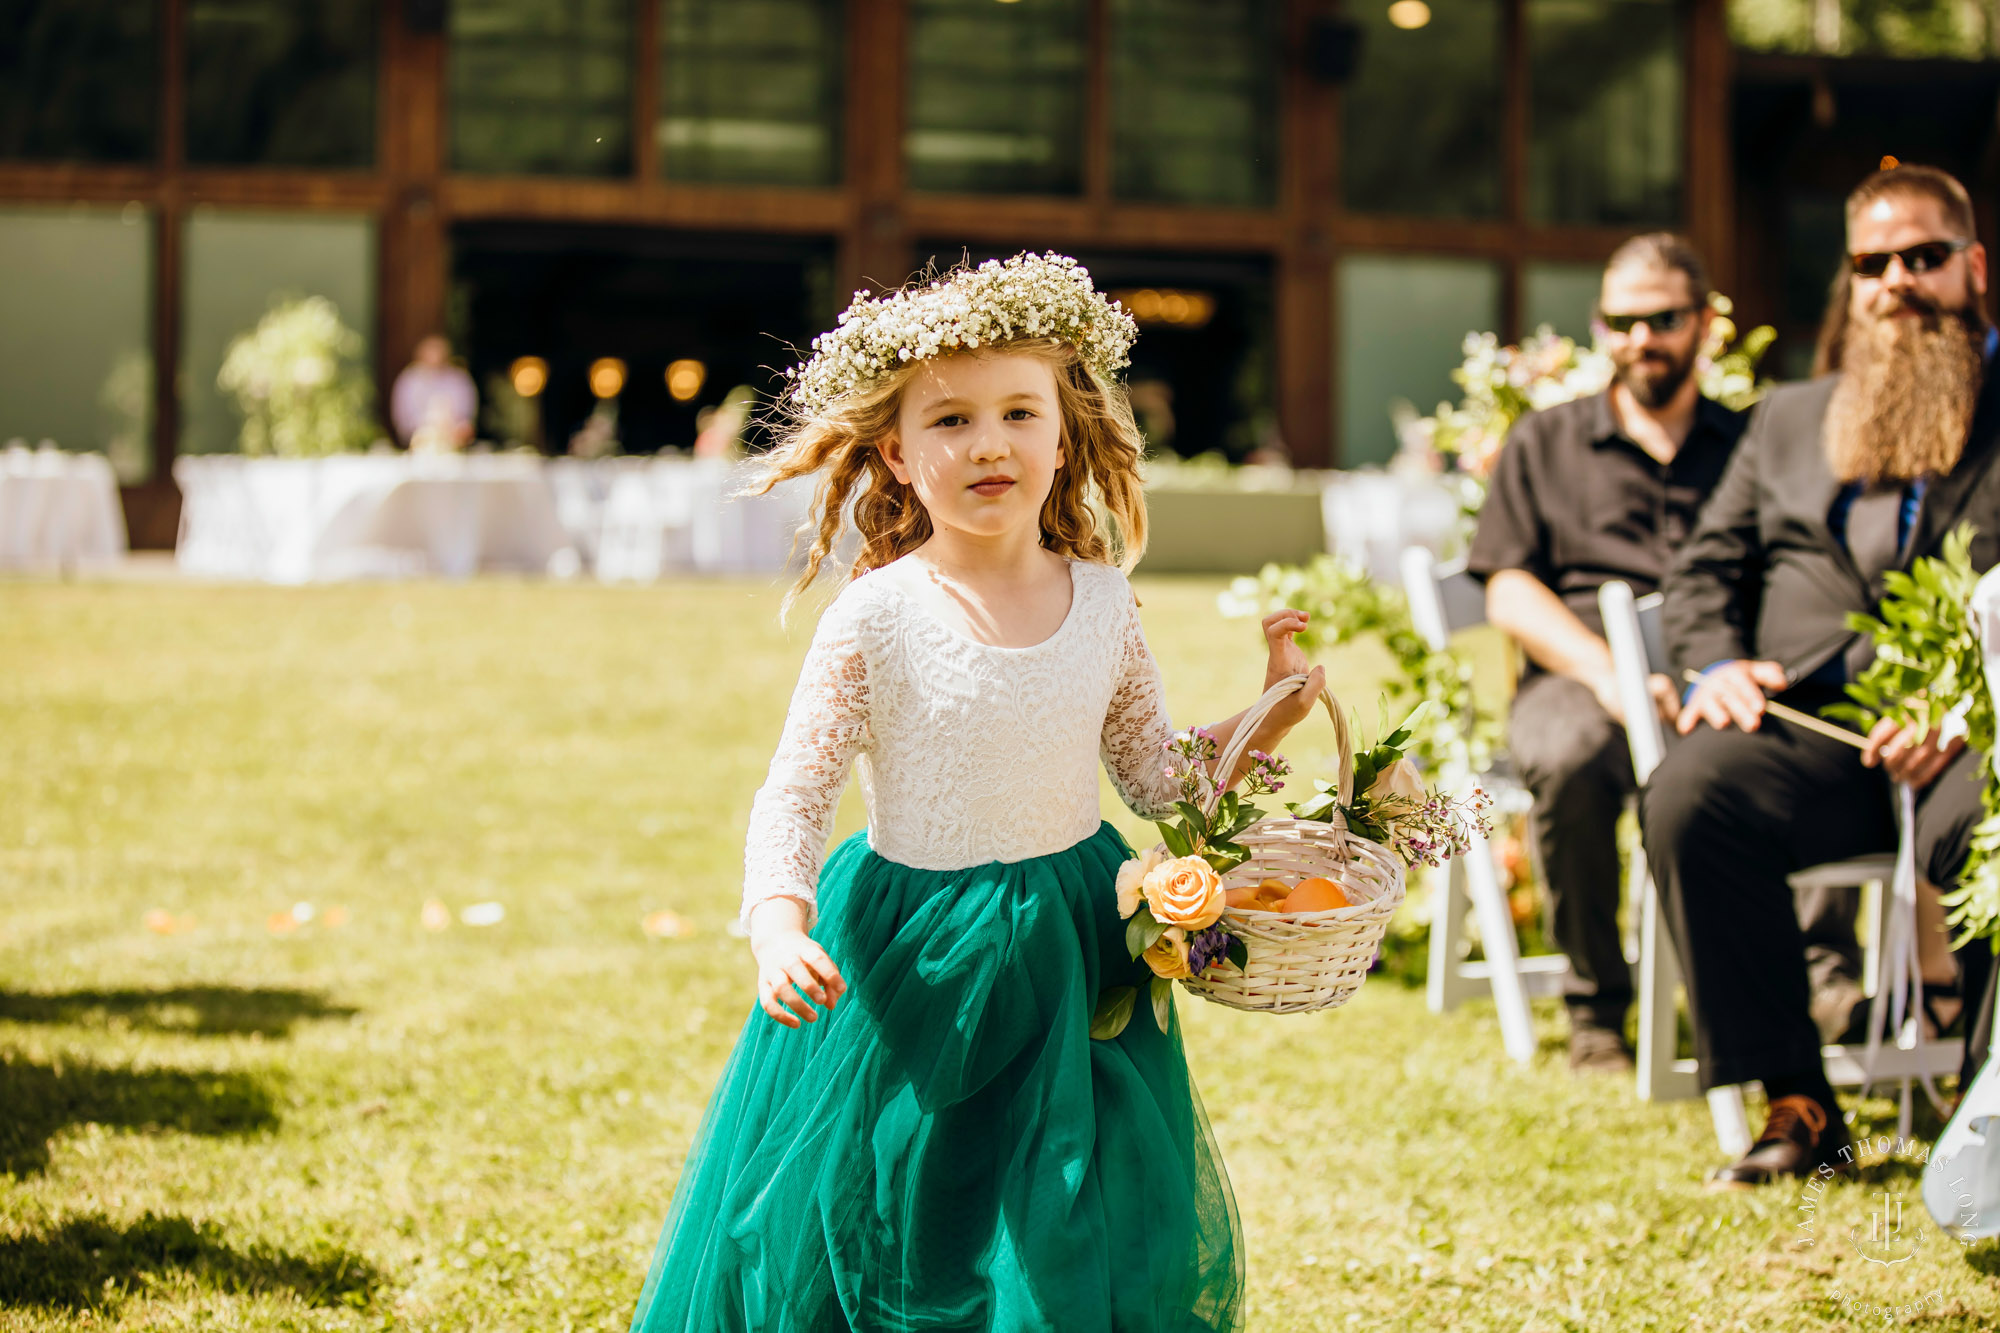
point(949, 1149)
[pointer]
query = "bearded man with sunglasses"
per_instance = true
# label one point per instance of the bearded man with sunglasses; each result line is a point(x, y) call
point(1860, 471)
point(1602, 488)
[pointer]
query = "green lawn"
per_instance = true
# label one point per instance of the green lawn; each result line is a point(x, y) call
point(359, 1122)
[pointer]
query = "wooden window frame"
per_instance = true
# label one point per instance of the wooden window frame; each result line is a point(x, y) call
point(870, 215)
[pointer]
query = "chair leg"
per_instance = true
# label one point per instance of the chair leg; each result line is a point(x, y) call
point(1732, 1122)
point(1496, 932)
point(1444, 988)
point(1659, 1022)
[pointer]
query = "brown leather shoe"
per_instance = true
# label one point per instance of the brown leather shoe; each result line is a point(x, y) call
point(1798, 1139)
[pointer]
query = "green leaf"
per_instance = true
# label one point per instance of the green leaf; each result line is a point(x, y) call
point(1237, 952)
point(1163, 1003)
point(1197, 822)
point(1177, 841)
point(1317, 807)
point(1141, 932)
point(1114, 1011)
point(1224, 862)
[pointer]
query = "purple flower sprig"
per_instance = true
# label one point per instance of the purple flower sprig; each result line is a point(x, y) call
point(1189, 754)
point(1206, 948)
point(1265, 772)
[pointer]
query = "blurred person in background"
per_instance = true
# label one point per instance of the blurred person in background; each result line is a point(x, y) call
point(433, 403)
point(1601, 488)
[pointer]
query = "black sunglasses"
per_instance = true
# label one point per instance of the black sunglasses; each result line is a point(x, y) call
point(1660, 321)
point(1917, 259)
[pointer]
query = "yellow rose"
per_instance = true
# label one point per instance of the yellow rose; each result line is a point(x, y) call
point(1131, 874)
point(1184, 892)
point(1168, 956)
point(1400, 779)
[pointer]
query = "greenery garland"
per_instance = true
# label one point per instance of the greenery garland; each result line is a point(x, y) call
point(1346, 606)
point(1929, 673)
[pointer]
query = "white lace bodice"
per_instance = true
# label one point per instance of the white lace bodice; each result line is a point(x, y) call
point(968, 753)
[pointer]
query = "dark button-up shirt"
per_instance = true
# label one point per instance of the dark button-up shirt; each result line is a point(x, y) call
point(1577, 504)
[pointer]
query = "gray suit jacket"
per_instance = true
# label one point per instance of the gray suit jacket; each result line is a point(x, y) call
point(1762, 577)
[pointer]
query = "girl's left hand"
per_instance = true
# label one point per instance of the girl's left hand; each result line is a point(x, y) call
point(1288, 659)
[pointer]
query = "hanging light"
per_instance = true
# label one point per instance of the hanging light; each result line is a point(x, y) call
point(607, 377)
point(529, 375)
point(1175, 307)
point(685, 378)
point(1409, 14)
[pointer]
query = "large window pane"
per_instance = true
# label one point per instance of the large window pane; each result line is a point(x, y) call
point(542, 88)
point(750, 91)
point(281, 82)
point(76, 363)
point(1561, 296)
point(997, 95)
point(1604, 117)
point(1194, 100)
point(1403, 321)
point(1420, 122)
point(79, 80)
point(239, 265)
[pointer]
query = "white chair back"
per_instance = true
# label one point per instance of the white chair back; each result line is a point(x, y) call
point(1638, 649)
point(1443, 598)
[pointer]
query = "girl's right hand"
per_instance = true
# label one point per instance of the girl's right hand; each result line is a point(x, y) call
point(789, 962)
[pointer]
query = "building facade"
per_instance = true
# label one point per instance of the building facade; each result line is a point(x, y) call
point(1308, 204)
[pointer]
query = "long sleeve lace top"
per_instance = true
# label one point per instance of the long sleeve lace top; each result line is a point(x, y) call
point(968, 753)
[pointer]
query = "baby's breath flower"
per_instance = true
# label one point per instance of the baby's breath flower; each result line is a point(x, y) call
point(1047, 295)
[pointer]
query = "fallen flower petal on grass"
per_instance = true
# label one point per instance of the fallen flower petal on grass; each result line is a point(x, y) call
point(281, 923)
point(163, 922)
point(436, 916)
point(335, 918)
point(666, 925)
point(483, 914)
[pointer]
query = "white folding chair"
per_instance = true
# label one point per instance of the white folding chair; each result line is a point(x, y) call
point(1442, 601)
point(1632, 628)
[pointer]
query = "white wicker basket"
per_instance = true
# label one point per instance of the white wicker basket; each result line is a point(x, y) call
point(1301, 961)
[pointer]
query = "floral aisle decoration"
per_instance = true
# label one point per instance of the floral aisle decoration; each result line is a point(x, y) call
point(1345, 606)
point(1929, 673)
point(1504, 382)
point(298, 380)
point(1172, 898)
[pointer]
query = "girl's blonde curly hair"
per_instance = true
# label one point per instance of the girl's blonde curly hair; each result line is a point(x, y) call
point(1096, 509)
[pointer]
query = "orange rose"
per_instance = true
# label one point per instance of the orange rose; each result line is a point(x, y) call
point(1168, 956)
point(1184, 892)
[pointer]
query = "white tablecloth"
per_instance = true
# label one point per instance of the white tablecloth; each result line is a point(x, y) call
point(59, 511)
point(630, 519)
point(1371, 516)
point(680, 515)
point(300, 520)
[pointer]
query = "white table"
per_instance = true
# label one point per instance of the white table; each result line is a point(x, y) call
point(302, 520)
point(1371, 516)
point(59, 511)
point(642, 518)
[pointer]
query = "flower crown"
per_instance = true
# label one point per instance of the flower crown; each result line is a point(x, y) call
point(1028, 296)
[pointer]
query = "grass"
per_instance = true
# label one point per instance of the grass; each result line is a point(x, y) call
point(228, 1119)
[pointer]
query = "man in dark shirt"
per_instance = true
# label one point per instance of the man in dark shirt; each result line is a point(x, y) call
point(1602, 488)
point(1837, 482)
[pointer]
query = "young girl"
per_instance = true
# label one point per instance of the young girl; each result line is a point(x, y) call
point(945, 1146)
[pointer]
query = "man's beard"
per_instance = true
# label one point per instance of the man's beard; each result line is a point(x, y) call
point(1906, 393)
point(1654, 379)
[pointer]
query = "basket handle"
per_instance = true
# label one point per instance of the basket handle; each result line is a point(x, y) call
point(1254, 716)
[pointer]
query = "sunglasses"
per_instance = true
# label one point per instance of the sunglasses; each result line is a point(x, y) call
point(1660, 321)
point(1917, 259)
